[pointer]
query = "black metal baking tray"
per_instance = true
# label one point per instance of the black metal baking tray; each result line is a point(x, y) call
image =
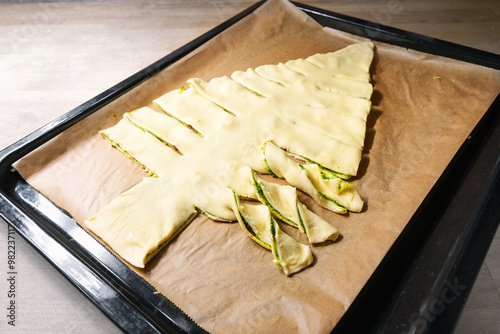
point(420, 286)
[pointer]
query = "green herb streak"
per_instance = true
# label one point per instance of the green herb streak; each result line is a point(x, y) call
point(265, 200)
point(277, 258)
point(265, 161)
point(301, 221)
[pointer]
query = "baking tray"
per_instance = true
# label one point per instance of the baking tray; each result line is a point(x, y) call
point(420, 286)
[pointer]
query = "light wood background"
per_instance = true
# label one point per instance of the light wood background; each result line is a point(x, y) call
point(57, 55)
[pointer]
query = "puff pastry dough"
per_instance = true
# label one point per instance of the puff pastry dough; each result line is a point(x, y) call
point(211, 140)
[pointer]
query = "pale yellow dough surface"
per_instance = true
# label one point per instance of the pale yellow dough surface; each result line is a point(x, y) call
point(128, 226)
point(200, 146)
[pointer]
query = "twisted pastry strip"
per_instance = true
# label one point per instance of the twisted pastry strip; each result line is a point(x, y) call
point(283, 203)
point(258, 223)
point(329, 191)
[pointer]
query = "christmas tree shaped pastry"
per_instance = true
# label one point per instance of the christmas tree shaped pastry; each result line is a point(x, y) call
point(304, 121)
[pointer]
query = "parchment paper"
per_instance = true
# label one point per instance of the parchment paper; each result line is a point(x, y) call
point(424, 107)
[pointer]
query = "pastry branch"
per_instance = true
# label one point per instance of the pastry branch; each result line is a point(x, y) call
point(256, 220)
point(283, 203)
point(330, 192)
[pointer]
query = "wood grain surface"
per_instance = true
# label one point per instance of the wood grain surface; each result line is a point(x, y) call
point(57, 55)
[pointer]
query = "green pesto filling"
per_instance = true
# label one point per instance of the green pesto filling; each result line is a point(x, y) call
point(326, 173)
point(279, 83)
point(214, 217)
point(328, 176)
point(341, 207)
point(343, 185)
point(266, 164)
point(189, 126)
point(269, 168)
point(256, 93)
point(277, 258)
point(228, 111)
point(247, 227)
point(261, 194)
point(172, 146)
point(115, 144)
point(301, 221)
point(252, 233)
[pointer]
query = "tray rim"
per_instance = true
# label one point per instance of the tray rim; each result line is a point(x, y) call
point(29, 224)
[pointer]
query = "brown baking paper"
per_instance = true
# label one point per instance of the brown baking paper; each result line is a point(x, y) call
point(424, 107)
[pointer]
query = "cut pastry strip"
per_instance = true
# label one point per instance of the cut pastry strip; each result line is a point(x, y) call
point(255, 220)
point(142, 220)
point(325, 150)
point(315, 227)
point(242, 183)
point(325, 172)
point(142, 147)
point(289, 255)
point(165, 128)
point(251, 80)
point(280, 74)
point(217, 218)
point(258, 223)
point(194, 111)
point(346, 129)
point(218, 206)
point(281, 200)
point(334, 189)
point(227, 94)
point(335, 194)
point(283, 203)
point(339, 103)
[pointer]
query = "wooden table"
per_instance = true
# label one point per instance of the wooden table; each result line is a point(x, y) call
point(57, 55)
